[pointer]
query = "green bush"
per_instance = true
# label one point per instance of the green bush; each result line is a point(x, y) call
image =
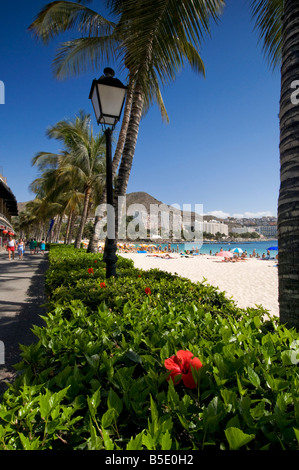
point(96, 377)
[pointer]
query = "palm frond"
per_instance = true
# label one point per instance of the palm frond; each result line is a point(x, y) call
point(60, 16)
point(268, 21)
point(83, 54)
point(159, 41)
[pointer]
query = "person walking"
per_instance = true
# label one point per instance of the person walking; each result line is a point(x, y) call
point(11, 246)
point(31, 246)
point(21, 247)
point(42, 247)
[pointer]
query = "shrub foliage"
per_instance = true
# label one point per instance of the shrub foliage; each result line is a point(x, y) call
point(95, 378)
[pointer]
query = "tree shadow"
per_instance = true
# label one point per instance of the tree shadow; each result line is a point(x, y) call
point(16, 329)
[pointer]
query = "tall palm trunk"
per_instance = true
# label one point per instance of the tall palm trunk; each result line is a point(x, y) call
point(68, 227)
point(128, 152)
point(57, 228)
point(83, 217)
point(93, 242)
point(288, 204)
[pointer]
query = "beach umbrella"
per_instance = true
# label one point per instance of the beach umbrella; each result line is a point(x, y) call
point(238, 250)
point(273, 248)
point(225, 254)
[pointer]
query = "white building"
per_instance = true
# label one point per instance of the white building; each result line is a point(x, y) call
point(267, 230)
point(243, 229)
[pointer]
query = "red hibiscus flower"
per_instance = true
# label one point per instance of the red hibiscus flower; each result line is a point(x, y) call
point(102, 284)
point(95, 261)
point(147, 291)
point(90, 270)
point(181, 365)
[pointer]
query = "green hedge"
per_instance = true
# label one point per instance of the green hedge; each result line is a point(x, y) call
point(96, 377)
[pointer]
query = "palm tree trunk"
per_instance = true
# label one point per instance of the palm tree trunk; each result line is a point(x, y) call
point(72, 225)
point(129, 151)
point(288, 203)
point(94, 240)
point(68, 228)
point(57, 229)
point(83, 217)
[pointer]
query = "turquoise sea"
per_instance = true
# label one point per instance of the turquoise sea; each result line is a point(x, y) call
point(205, 248)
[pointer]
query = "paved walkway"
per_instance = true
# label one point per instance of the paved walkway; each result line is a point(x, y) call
point(21, 296)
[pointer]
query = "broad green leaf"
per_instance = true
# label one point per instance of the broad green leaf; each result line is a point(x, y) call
point(253, 377)
point(45, 406)
point(134, 356)
point(148, 441)
point(166, 441)
point(29, 444)
point(154, 411)
point(114, 401)
point(108, 418)
point(93, 402)
point(109, 445)
point(94, 442)
point(135, 443)
point(237, 438)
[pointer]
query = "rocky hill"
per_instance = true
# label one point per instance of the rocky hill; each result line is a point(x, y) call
point(147, 200)
point(22, 206)
point(143, 198)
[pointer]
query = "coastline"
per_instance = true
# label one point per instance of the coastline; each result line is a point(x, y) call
point(249, 283)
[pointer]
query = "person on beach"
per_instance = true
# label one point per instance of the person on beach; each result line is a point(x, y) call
point(21, 247)
point(11, 246)
point(42, 247)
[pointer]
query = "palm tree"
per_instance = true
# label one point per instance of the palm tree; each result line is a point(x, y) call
point(79, 168)
point(278, 21)
point(58, 183)
point(86, 157)
point(153, 40)
point(158, 40)
point(43, 211)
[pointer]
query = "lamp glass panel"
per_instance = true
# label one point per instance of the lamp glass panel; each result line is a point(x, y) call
point(95, 103)
point(112, 99)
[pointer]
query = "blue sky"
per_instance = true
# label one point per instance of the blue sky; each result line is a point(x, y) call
point(220, 149)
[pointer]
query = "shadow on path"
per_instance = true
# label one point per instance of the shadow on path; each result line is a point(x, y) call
point(16, 329)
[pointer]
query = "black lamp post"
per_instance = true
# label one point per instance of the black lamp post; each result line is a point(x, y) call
point(108, 95)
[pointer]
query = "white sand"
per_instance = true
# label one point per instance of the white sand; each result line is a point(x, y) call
point(251, 282)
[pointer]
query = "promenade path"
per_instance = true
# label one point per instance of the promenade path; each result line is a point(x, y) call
point(22, 294)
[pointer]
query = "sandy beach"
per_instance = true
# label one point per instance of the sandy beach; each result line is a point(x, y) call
point(250, 282)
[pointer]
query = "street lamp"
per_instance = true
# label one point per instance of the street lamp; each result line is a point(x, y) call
point(107, 95)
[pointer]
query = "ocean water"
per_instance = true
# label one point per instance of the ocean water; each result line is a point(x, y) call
point(259, 246)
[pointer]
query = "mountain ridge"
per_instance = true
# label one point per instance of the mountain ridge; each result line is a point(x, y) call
point(145, 199)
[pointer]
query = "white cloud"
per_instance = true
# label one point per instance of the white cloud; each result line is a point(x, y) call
point(245, 215)
point(219, 214)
